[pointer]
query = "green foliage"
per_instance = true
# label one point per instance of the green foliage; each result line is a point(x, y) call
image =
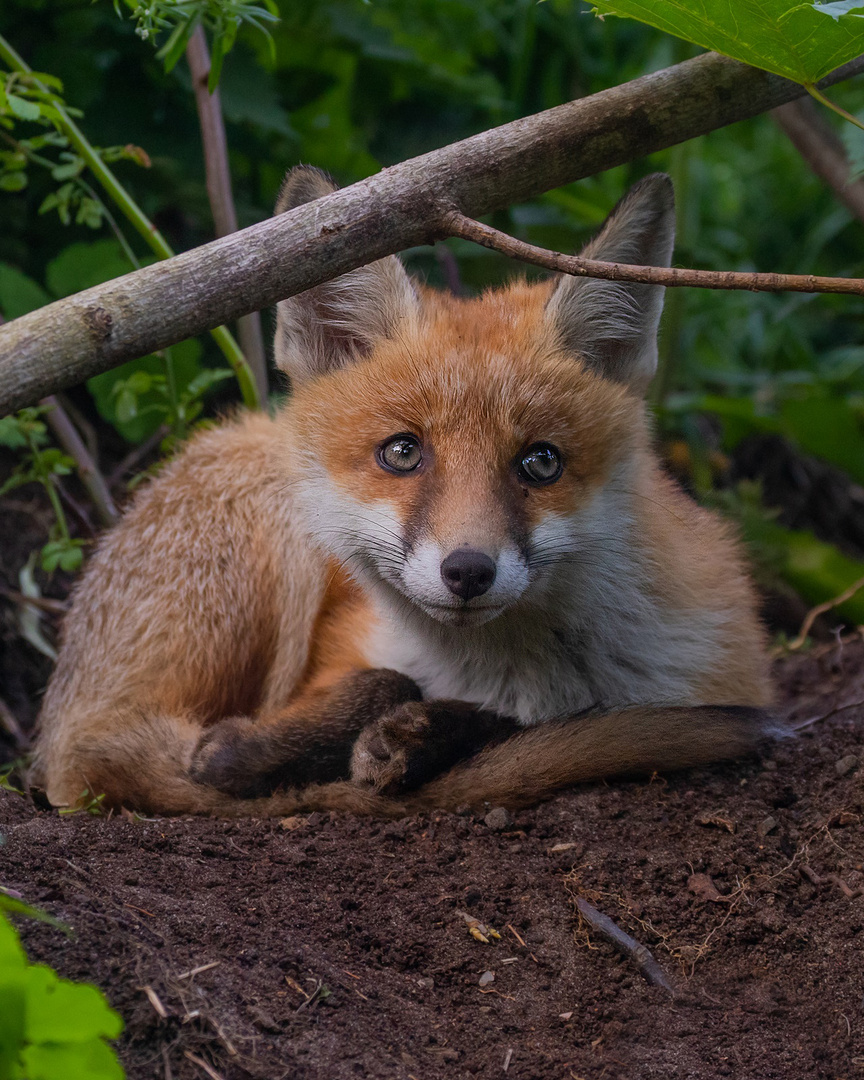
point(816, 570)
point(787, 37)
point(50, 1028)
point(86, 803)
point(37, 98)
point(41, 463)
point(826, 425)
point(180, 18)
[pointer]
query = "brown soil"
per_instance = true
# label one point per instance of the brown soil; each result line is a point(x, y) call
point(337, 948)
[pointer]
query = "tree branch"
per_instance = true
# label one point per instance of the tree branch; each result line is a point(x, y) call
point(67, 436)
point(218, 174)
point(72, 339)
point(816, 141)
point(457, 224)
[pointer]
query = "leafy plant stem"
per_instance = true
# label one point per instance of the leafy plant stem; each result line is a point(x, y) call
point(140, 222)
point(88, 471)
point(47, 481)
point(814, 92)
point(112, 223)
point(171, 385)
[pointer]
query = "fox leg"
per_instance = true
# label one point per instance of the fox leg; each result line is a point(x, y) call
point(419, 740)
point(307, 742)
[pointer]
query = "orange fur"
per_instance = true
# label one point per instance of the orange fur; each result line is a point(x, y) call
point(275, 559)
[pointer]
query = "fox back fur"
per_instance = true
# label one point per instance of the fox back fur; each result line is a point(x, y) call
point(459, 503)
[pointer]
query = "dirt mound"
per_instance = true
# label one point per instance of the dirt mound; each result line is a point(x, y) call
point(336, 947)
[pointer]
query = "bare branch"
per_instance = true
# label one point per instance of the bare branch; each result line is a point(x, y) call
point(643, 959)
point(67, 436)
point(218, 173)
point(73, 339)
point(816, 142)
point(457, 224)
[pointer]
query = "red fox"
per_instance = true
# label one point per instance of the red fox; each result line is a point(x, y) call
point(450, 571)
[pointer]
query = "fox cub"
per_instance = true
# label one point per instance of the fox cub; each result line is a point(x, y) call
point(450, 571)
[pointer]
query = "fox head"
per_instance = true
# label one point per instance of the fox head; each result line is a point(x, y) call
point(456, 453)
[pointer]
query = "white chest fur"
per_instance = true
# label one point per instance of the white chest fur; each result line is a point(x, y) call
point(591, 636)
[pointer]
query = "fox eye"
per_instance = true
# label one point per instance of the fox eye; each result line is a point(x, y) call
point(541, 464)
point(400, 454)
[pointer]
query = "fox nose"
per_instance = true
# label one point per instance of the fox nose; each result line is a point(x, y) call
point(468, 573)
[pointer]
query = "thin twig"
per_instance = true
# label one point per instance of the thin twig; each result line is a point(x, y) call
point(628, 946)
point(67, 436)
point(820, 609)
point(455, 223)
point(816, 142)
point(72, 504)
point(202, 1064)
point(198, 970)
point(137, 454)
point(44, 603)
point(83, 425)
point(153, 998)
point(811, 720)
point(218, 174)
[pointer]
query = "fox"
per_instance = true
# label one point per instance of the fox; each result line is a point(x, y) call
point(450, 571)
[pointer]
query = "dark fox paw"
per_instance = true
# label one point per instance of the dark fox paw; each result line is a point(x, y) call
point(390, 753)
point(222, 759)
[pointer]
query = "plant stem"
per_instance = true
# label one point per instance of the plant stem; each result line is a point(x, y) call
point(820, 97)
point(139, 220)
point(177, 422)
point(47, 481)
point(808, 130)
point(66, 435)
point(219, 193)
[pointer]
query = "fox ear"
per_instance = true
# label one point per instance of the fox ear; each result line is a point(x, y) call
point(613, 325)
point(341, 321)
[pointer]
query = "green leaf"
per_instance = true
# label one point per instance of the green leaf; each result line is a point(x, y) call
point(23, 109)
point(18, 479)
point(91, 1060)
point(126, 406)
point(68, 170)
point(786, 37)
point(12, 906)
point(12, 956)
point(82, 265)
point(13, 181)
point(55, 461)
point(19, 293)
point(51, 81)
point(173, 48)
point(12, 434)
point(62, 1011)
point(209, 377)
point(151, 408)
point(67, 554)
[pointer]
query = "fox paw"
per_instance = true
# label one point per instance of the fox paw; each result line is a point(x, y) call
point(222, 760)
point(389, 753)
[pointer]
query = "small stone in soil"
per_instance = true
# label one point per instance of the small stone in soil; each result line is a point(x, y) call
point(498, 819)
